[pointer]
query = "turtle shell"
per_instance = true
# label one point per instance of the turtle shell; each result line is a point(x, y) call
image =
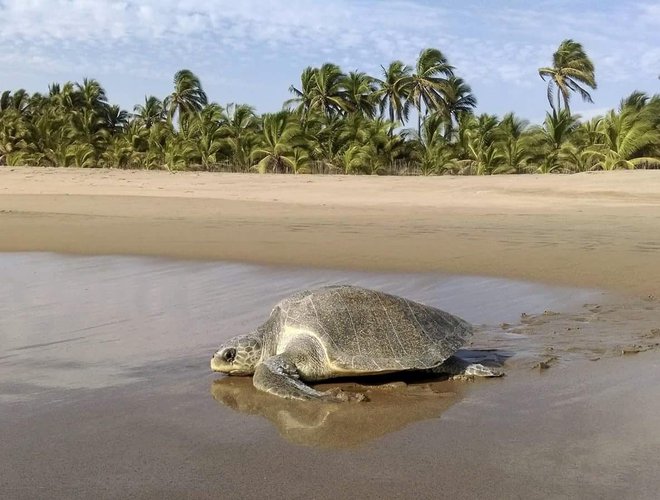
point(367, 331)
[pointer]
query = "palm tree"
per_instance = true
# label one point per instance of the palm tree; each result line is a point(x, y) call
point(374, 150)
point(239, 131)
point(92, 95)
point(64, 96)
point(281, 138)
point(571, 70)
point(151, 112)
point(90, 129)
point(558, 128)
point(13, 127)
point(394, 91)
point(119, 153)
point(328, 94)
point(359, 92)
point(202, 133)
point(457, 99)
point(478, 142)
point(428, 81)
point(322, 92)
point(551, 141)
point(328, 138)
point(637, 101)
point(627, 137)
point(116, 119)
point(49, 136)
point(13, 134)
point(18, 100)
point(514, 143)
point(187, 97)
point(338, 123)
point(5, 101)
point(199, 142)
point(303, 96)
point(81, 155)
point(434, 153)
point(587, 133)
point(159, 139)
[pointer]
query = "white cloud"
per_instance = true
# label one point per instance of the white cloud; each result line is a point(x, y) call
point(343, 23)
point(495, 46)
point(369, 32)
point(200, 32)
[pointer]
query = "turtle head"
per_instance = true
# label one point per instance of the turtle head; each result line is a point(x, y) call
point(237, 356)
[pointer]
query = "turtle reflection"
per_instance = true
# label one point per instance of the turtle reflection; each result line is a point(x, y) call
point(392, 405)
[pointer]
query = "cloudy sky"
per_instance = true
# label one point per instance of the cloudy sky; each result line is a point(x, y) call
point(252, 50)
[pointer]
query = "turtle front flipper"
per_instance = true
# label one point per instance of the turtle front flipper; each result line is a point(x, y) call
point(303, 358)
point(279, 376)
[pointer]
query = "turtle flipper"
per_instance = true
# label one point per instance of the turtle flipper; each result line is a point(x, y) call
point(458, 367)
point(280, 377)
point(303, 359)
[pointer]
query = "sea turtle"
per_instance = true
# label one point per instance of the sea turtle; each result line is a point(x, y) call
point(340, 331)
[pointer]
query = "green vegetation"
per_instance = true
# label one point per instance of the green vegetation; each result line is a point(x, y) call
point(571, 67)
point(336, 122)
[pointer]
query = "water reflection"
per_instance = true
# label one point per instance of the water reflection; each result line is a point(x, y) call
point(394, 403)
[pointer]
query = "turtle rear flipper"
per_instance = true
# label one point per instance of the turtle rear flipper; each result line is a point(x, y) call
point(458, 367)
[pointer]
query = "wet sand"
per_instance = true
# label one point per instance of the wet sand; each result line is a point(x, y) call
point(105, 389)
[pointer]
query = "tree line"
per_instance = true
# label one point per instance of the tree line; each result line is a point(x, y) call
point(417, 119)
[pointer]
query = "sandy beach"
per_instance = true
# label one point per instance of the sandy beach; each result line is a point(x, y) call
point(592, 229)
point(116, 286)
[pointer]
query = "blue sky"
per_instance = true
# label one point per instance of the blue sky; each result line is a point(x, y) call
point(252, 50)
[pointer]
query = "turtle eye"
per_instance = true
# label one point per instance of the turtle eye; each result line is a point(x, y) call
point(229, 355)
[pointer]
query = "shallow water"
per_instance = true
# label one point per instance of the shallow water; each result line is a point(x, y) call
point(91, 322)
point(105, 390)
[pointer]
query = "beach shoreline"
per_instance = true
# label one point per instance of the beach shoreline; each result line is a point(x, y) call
point(123, 404)
point(591, 230)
